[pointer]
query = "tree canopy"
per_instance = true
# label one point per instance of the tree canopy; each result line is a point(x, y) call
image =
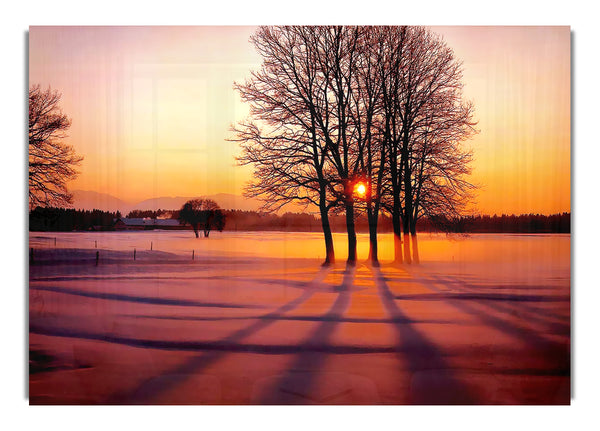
point(202, 214)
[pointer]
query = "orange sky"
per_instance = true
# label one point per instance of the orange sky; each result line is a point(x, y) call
point(151, 108)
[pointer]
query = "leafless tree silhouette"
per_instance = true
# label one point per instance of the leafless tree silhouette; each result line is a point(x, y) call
point(439, 165)
point(51, 162)
point(202, 214)
point(336, 106)
point(284, 141)
point(366, 113)
point(425, 123)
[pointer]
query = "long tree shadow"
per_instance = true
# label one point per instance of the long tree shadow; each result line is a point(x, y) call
point(433, 379)
point(473, 291)
point(302, 318)
point(300, 378)
point(140, 299)
point(543, 348)
point(149, 389)
point(517, 304)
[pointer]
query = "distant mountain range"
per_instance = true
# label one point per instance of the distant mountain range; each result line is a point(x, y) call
point(225, 201)
point(88, 200)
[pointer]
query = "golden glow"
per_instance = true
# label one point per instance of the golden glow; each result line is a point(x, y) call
point(151, 109)
point(519, 81)
point(360, 190)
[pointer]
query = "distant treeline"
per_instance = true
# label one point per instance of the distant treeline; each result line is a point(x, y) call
point(525, 223)
point(66, 220)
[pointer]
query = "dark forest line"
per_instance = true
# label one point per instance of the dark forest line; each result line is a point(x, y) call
point(68, 220)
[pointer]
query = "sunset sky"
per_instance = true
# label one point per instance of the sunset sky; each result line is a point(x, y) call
point(151, 108)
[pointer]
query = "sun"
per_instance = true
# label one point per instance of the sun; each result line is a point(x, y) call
point(360, 189)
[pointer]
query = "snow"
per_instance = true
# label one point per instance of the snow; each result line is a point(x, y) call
point(254, 318)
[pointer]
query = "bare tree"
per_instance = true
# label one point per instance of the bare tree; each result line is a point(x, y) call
point(284, 140)
point(366, 113)
point(202, 214)
point(314, 104)
point(392, 66)
point(423, 91)
point(338, 107)
point(439, 164)
point(51, 162)
point(338, 51)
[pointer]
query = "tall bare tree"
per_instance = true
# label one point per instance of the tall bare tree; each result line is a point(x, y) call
point(439, 165)
point(391, 69)
point(425, 82)
point(284, 140)
point(366, 113)
point(338, 51)
point(337, 106)
point(52, 163)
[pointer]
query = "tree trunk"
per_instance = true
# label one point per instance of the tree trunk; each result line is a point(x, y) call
point(413, 221)
point(415, 248)
point(195, 227)
point(408, 222)
point(407, 257)
point(413, 235)
point(397, 226)
point(351, 233)
point(207, 226)
point(373, 243)
point(372, 218)
point(329, 252)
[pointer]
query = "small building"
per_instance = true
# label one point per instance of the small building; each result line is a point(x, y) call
point(124, 223)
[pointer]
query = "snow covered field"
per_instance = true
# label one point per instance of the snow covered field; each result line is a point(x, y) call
point(253, 318)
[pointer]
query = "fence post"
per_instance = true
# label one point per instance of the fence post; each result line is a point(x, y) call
point(192, 254)
point(31, 254)
point(134, 254)
point(150, 245)
point(97, 257)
